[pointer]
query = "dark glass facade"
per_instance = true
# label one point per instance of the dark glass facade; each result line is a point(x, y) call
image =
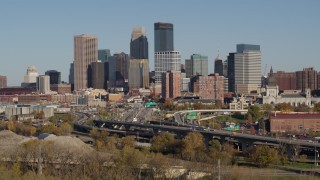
point(218, 67)
point(163, 37)
point(71, 76)
point(231, 79)
point(96, 77)
point(118, 69)
point(247, 47)
point(103, 54)
point(139, 48)
point(55, 76)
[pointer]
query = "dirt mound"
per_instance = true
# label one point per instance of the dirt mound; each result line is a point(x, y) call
point(70, 144)
point(9, 142)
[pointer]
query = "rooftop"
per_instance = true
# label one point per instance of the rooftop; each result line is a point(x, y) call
point(295, 116)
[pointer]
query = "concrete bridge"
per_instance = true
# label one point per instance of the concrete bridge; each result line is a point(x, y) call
point(241, 141)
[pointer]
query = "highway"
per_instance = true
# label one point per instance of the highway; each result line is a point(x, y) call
point(213, 133)
point(178, 116)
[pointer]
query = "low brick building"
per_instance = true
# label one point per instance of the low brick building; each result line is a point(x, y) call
point(208, 87)
point(61, 88)
point(294, 122)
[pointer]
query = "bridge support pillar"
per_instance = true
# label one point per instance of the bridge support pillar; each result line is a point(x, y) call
point(246, 145)
point(127, 128)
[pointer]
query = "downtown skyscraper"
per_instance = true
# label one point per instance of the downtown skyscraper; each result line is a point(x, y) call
point(218, 66)
point(3, 81)
point(166, 59)
point(85, 53)
point(197, 65)
point(247, 68)
point(138, 63)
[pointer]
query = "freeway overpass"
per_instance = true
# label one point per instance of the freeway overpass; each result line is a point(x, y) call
point(244, 141)
point(178, 116)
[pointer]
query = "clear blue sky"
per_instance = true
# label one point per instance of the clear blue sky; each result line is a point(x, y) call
point(40, 32)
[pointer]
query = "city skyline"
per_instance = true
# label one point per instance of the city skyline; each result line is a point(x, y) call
point(34, 33)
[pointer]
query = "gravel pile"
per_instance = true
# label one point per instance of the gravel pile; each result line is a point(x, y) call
point(10, 141)
point(69, 144)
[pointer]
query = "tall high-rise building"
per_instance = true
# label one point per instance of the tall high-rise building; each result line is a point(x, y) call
point(165, 58)
point(163, 37)
point(31, 75)
point(183, 68)
point(166, 61)
point(85, 53)
point(106, 73)
point(43, 84)
point(197, 65)
point(103, 54)
point(55, 76)
point(96, 75)
point(285, 80)
point(118, 69)
point(138, 73)
point(71, 76)
point(307, 78)
point(247, 68)
point(139, 44)
point(139, 63)
point(225, 68)
point(3, 81)
point(171, 84)
point(218, 66)
point(185, 83)
point(230, 75)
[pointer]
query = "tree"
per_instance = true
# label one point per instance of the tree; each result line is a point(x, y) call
point(193, 147)
point(264, 156)
point(39, 115)
point(65, 129)
point(254, 111)
point(49, 128)
point(164, 143)
point(11, 126)
point(169, 105)
point(159, 165)
point(284, 107)
point(302, 108)
point(128, 141)
point(267, 108)
point(215, 145)
point(316, 107)
point(16, 170)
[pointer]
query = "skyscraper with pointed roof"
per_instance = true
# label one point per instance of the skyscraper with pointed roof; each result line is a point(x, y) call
point(139, 44)
point(138, 63)
point(218, 65)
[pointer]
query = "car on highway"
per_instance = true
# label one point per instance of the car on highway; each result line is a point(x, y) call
point(199, 128)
